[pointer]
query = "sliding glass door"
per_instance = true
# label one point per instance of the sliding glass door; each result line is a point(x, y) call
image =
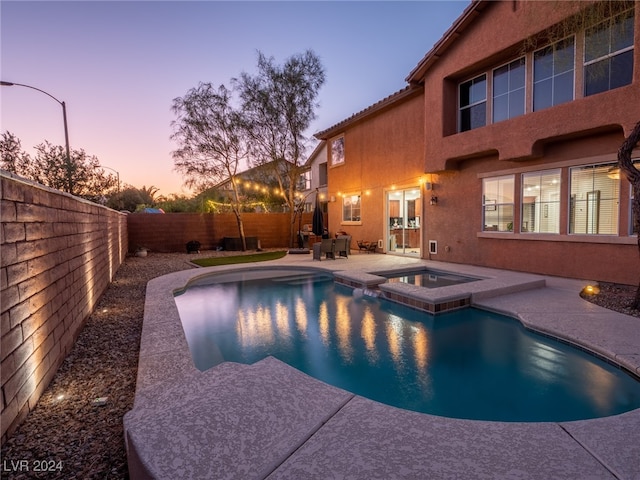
point(404, 219)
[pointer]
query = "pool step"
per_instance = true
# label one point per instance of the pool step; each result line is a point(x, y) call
point(303, 279)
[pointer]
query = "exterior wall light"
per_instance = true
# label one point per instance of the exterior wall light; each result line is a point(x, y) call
point(434, 200)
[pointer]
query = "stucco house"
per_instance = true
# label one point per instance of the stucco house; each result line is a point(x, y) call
point(512, 149)
point(376, 173)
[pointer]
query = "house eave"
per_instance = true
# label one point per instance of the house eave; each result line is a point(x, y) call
point(401, 95)
point(470, 13)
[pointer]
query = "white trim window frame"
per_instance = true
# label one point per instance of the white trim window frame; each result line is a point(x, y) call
point(632, 231)
point(336, 151)
point(553, 69)
point(352, 209)
point(508, 85)
point(540, 201)
point(498, 203)
point(304, 181)
point(608, 54)
point(594, 199)
point(472, 103)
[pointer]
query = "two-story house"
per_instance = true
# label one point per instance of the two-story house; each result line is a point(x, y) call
point(524, 106)
point(376, 173)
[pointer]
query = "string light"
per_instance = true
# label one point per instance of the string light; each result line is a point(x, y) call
point(421, 180)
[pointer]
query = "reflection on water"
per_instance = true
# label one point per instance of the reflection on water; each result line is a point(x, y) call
point(368, 334)
point(324, 323)
point(343, 328)
point(395, 340)
point(466, 364)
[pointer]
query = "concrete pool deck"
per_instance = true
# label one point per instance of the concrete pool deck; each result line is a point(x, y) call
point(268, 420)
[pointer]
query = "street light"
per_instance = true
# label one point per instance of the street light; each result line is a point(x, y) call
point(117, 175)
point(66, 130)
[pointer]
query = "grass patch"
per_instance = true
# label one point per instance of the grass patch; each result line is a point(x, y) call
point(253, 257)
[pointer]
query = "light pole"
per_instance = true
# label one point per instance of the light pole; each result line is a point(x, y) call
point(117, 175)
point(66, 130)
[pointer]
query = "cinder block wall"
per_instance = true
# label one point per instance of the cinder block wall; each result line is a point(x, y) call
point(58, 254)
point(170, 232)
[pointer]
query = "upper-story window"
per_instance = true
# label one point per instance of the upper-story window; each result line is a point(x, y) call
point(337, 151)
point(322, 173)
point(553, 74)
point(473, 103)
point(508, 90)
point(608, 54)
point(304, 181)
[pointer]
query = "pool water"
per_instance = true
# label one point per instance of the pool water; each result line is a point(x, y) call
point(427, 278)
point(465, 364)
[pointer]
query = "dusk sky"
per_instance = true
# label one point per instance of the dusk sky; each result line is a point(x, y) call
point(119, 65)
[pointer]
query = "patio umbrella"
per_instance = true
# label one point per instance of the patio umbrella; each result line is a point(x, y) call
point(317, 225)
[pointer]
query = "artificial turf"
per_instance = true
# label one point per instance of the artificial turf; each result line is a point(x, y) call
point(253, 257)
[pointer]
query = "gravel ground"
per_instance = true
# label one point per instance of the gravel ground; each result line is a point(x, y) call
point(615, 297)
point(77, 439)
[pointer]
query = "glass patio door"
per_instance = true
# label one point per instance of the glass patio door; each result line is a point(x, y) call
point(404, 212)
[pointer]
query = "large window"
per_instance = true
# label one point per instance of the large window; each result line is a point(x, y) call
point(553, 74)
point(508, 91)
point(337, 151)
point(473, 103)
point(541, 202)
point(633, 229)
point(322, 168)
point(497, 204)
point(608, 54)
point(595, 192)
point(351, 208)
point(304, 181)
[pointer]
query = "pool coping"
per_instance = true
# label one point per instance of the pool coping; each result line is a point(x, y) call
point(599, 448)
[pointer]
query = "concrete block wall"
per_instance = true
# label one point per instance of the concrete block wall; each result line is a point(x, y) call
point(170, 232)
point(58, 255)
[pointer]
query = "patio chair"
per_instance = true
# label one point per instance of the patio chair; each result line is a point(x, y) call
point(343, 245)
point(327, 246)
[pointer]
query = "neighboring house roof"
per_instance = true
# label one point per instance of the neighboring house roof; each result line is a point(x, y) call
point(248, 174)
point(385, 103)
point(315, 153)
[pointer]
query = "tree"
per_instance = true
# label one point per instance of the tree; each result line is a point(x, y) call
point(149, 195)
point(127, 199)
point(12, 157)
point(50, 167)
point(134, 199)
point(212, 143)
point(279, 105)
point(180, 203)
point(633, 175)
point(81, 177)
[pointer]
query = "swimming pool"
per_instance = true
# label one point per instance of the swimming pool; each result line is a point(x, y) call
point(427, 278)
point(467, 364)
